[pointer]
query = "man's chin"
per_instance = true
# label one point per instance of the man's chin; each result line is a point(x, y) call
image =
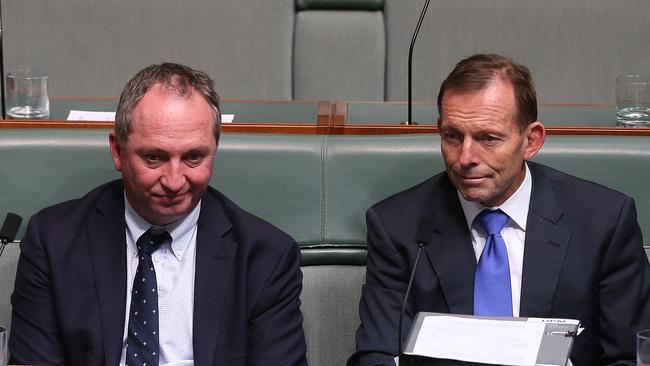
point(166, 214)
point(167, 217)
point(473, 194)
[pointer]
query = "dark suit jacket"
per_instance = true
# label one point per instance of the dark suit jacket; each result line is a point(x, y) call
point(583, 259)
point(70, 292)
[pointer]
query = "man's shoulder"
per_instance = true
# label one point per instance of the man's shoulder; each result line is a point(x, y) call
point(259, 247)
point(566, 184)
point(420, 195)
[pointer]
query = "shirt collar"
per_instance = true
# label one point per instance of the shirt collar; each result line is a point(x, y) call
point(516, 206)
point(136, 226)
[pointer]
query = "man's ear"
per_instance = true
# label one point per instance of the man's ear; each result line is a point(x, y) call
point(116, 151)
point(535, 135)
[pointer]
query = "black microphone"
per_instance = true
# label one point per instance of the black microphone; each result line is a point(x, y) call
point(409, 121)
point(9, 230)
point(422, 237)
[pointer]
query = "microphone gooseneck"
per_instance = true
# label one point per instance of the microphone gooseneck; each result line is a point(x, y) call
point(406, 297)
point(409, 121)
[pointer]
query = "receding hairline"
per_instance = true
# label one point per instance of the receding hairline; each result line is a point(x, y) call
point(179, 78)
point(479, 70)
point(495, 82)
point(498, 77)
point(170, 88)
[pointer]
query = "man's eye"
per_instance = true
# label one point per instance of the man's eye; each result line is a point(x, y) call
point(451, 136)
point(152, 159)
point(195, 158)
point(490, 138)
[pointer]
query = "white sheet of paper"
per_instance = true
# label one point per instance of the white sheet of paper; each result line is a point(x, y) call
point(480, 340)
point(91, 116)
point(227, 118)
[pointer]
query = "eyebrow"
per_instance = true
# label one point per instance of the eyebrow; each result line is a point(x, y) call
point(149, 150)
point(198, 150)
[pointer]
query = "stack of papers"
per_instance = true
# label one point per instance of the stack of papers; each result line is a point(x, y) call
point(497, 341)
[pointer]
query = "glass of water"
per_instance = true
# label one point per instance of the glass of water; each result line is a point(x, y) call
point(633, 101)
point(643, 348)
point(27, 96)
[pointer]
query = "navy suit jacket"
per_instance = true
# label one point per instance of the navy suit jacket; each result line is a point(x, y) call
point(69, 300)
point(583, 259)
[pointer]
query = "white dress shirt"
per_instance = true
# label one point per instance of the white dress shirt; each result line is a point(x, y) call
point(174, 265)
point(513, 233)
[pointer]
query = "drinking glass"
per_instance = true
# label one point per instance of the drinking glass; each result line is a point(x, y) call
point(27, 96)
point(633, 101)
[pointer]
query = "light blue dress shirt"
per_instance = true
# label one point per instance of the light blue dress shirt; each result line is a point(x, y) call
point(174, 265)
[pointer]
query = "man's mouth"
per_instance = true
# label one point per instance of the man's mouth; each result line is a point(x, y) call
point(173, 198)
point(472, 180)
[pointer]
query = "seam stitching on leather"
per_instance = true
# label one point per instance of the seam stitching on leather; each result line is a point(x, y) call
point(323, 195)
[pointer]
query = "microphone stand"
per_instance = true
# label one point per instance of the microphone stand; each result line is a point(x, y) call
point(409, 121)
point(3, 244)
point(406, 297)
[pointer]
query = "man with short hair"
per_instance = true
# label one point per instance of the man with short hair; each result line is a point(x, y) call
point(158, 267)
point(504, 236)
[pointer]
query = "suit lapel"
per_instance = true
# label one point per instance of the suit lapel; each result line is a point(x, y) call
point(544, 250)
point(449, 249)
point(106, 244)
point(215, 253)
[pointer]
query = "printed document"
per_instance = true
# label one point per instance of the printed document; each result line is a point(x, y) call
point(502, 342)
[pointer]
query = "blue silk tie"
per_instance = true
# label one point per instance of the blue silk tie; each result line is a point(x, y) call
point(142, 340)
point(492, 293)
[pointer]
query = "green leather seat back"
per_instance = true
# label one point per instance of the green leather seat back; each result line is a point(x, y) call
point(316, 188)
point(277, 177)
point(363, 170)
point(40, 167)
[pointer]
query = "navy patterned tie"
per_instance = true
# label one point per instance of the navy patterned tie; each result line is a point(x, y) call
point(492, 294)
point(142, 341)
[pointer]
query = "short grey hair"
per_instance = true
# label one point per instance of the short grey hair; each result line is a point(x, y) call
point(180, 79)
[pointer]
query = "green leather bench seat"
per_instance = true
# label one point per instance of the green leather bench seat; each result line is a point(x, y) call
point(316, 188)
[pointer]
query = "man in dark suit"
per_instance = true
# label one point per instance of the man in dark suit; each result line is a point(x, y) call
point(568, 248)
point(210, 285)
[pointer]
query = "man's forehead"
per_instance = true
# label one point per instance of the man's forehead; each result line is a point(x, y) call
point(487, 109)
point(497, 94)
point(499, 84)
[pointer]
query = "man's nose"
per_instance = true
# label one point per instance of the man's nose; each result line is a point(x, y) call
point(173, 179)
point(468, 153)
